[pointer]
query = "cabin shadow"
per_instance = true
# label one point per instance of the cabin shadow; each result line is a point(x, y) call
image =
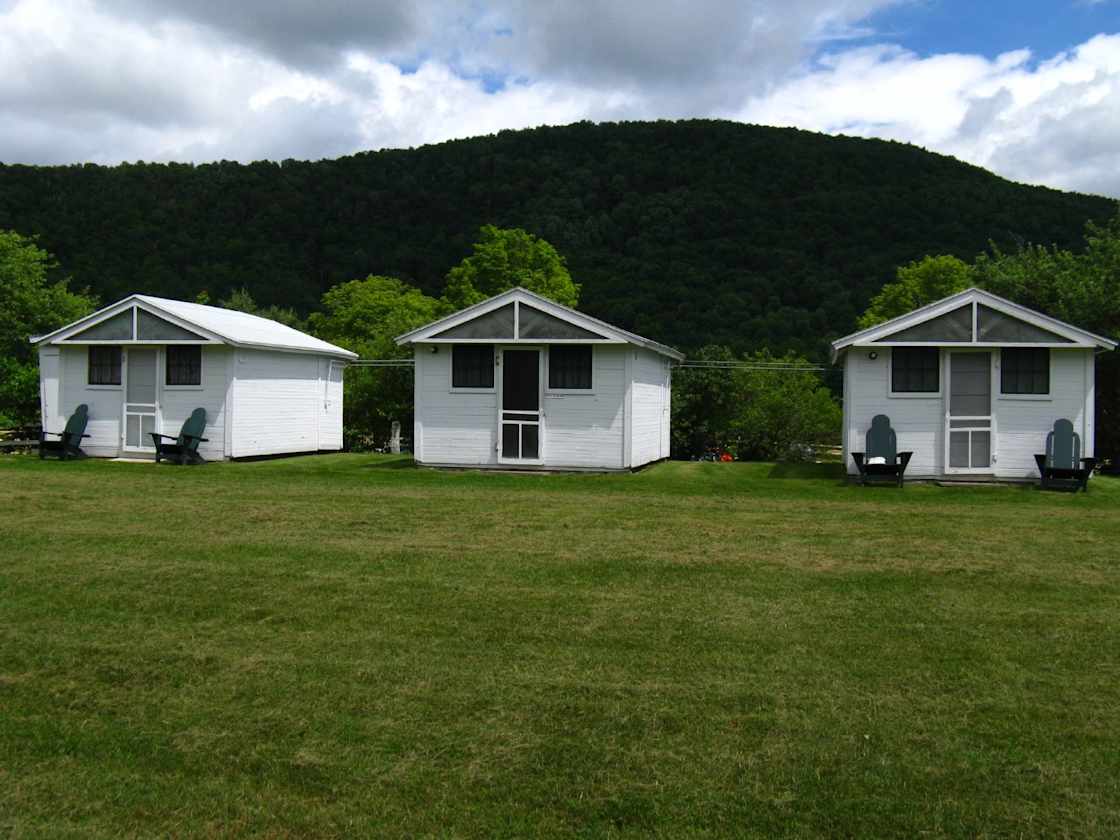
point(802, 470)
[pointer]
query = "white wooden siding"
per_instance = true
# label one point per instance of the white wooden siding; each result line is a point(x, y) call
point(919, 421)
point(648, 400)
point(106, 408)
point(1021, 423)
point(458, 428)
point(277, 400)
point(586, 430)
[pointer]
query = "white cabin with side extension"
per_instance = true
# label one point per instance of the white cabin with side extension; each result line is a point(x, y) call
point(521, 382)
point(145, 363)
point(972, 385)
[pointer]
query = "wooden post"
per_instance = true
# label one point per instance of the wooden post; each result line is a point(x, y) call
point(395, 437)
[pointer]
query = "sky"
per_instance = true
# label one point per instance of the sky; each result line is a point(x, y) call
point(1028, 89)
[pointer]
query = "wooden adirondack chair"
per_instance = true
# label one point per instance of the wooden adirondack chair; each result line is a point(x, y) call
point(1061, 467)
point(881, 442)
point(184, 450)
point(69, 440)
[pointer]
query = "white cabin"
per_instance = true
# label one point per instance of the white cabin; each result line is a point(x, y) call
point(972, 385)
point(519, 381)
point(145, 363)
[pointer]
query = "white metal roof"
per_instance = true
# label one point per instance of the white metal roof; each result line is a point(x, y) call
point(880, 333)
point(610, 333)
point(228, 326)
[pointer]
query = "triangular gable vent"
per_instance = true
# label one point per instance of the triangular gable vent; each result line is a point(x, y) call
point(135, 324)
point(993, 325)
point(952, 326)
point(532, 323)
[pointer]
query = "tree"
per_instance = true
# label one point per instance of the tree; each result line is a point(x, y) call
point(30, 304)
point(505, 258)
point(365, 316)
point(772, 411)
point(242, 301)
point(920, 282)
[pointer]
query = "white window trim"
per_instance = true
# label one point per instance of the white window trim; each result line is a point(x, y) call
point(453, 389)
point(201, 372)
point(575, 392)
point(1012, 397)
point(915, 395)
point(91, 387)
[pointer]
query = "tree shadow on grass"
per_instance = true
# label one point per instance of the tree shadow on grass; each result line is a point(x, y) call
point(832, 470)
point(403, 462)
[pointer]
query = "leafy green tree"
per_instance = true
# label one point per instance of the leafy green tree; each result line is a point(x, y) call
point(785, 412)
point(365, 316)
point(242, 301)
point(772, 408)
point(920, 282)
point(505, 258)
point(30, 304)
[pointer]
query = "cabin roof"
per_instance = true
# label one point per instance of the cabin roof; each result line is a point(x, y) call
point(600, 332)
point(1065, 335)
point(215, 324)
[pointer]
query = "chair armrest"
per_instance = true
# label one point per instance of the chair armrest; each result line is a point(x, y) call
point(85, 436)
point(43, 434)
point(1089, 463)
point(904, 459)
point(858, 458)
point(196, 437)
point(166, 437)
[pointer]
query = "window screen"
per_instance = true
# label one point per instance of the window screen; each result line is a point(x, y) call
point(184, 366)
point(104, 366)
point(952, 326)
point(152, 328)
point(914, 370)
point(117, 328)
point(569, 366)
point(496, 324)
point(1025, 371)
point(532, 323)
point(472, 366)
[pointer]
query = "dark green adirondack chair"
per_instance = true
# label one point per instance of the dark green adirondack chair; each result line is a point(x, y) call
point(881, 442)
point(1061, 467)
point(69, 443)
point(184, 450)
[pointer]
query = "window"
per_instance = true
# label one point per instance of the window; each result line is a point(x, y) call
point(184, 365)
point(104, 366)
point(914, 370)
point(1025, 371)
point(569, 367)
point(472, 366)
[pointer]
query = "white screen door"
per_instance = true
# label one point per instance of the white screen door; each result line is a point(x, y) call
point(969, 417)
point(519, 429)
point(140, 406)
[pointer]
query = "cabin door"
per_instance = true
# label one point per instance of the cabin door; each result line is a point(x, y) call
point(968, 415)
point(519, 423)
point(141, 408)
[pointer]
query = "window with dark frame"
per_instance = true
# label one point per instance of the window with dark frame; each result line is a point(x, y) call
point(184, 365)
point(104, 366)
point(472, 366)
point(569, 367)
point(1024, 370)
point(915, 370)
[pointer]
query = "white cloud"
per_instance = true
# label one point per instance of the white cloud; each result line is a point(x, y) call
point(112, 80)
point(1056, 122)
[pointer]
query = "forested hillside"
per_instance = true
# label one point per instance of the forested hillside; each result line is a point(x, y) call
point(691, 232)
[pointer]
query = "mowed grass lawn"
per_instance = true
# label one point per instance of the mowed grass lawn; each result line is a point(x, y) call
point(347, 646)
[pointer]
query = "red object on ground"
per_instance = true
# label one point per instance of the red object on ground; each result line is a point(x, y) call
point(726, 456)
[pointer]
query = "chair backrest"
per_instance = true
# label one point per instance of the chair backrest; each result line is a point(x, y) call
point(194, 426)
point(881, 439)
point(76, 425)
point(1063, 446)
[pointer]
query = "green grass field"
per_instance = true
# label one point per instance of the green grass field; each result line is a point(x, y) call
point(349, 646)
